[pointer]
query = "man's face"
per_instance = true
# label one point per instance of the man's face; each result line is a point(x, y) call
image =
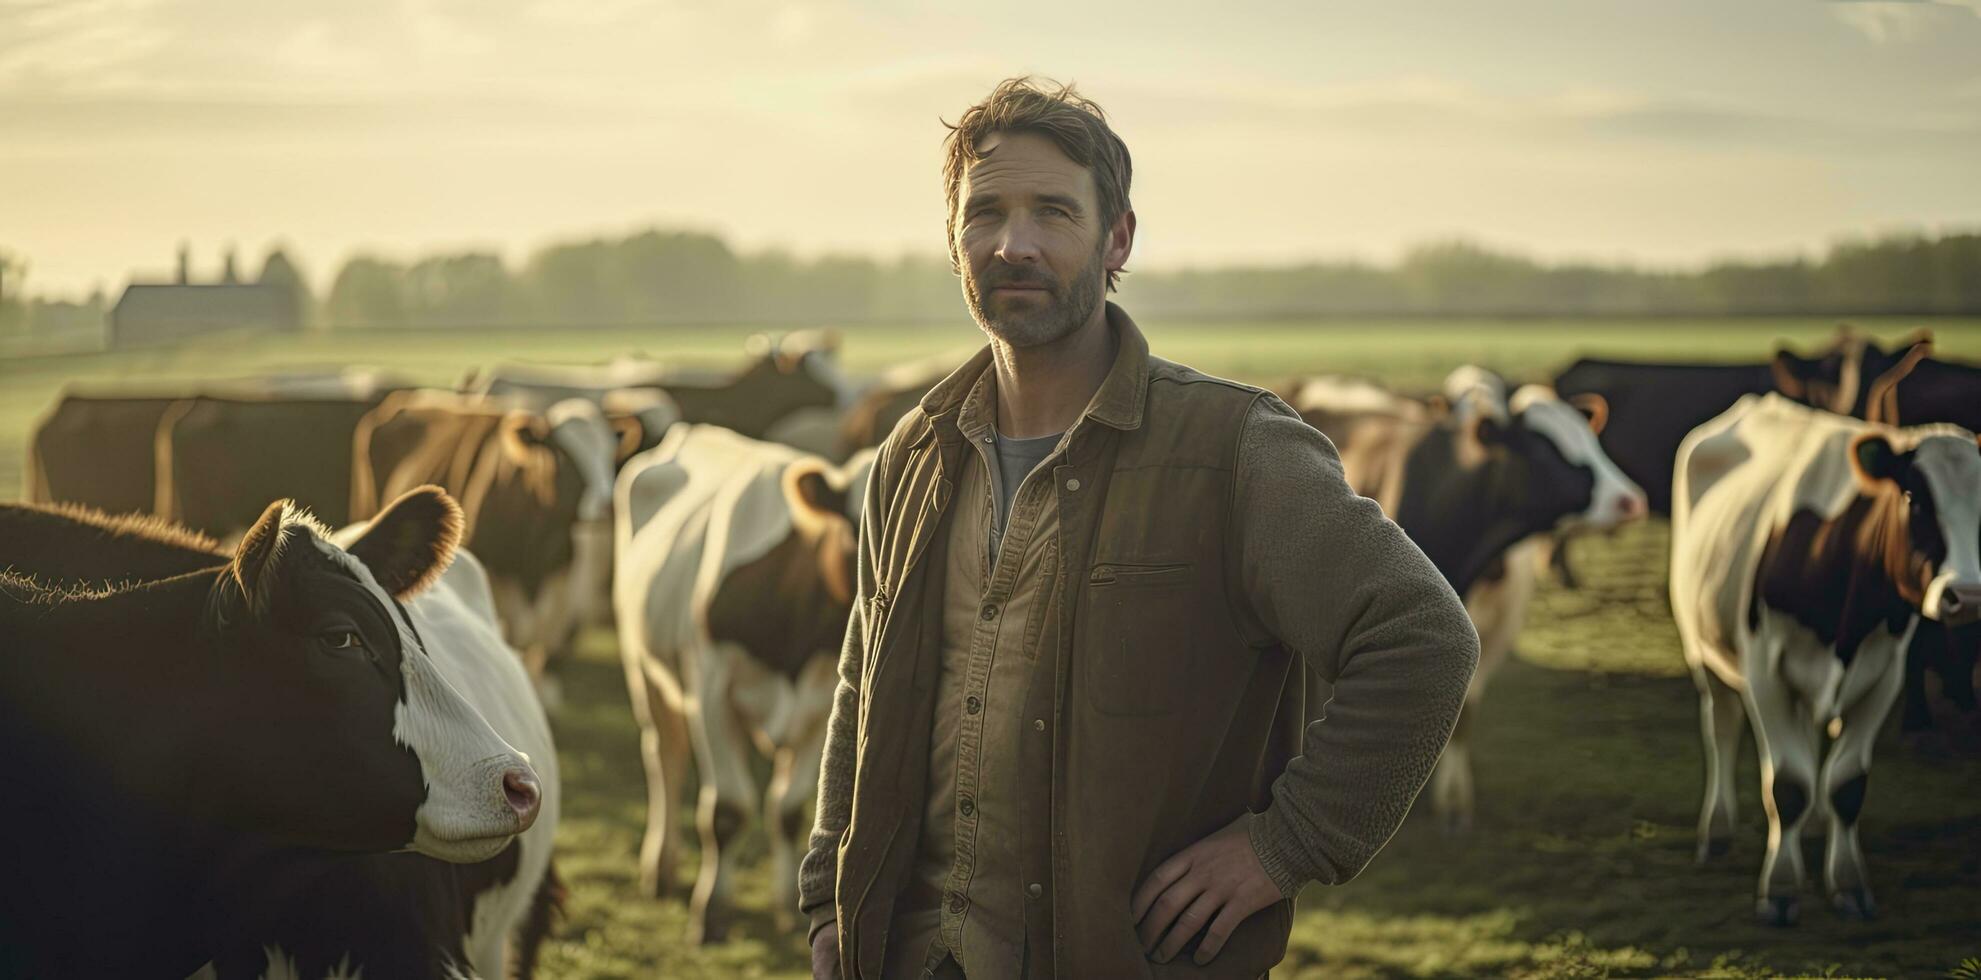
point(1035, 254)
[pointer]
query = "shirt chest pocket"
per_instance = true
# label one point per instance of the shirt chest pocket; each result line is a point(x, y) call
point(1143, 637)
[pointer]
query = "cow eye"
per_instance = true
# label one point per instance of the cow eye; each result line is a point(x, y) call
point(344, 640)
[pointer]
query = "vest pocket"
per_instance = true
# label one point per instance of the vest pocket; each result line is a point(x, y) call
point(1143, 630)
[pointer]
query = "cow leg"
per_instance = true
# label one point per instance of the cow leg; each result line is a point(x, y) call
point(553, 613)
point(793, 784)
point(1929, 650)
point(1451, 781)
point(1788, 786)
point(1722, 721)
point(722, 752)
point(664, 746)
point(1846, 775)
point(522, 628)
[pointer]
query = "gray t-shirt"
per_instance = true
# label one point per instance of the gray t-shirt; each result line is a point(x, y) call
point(1016, 458)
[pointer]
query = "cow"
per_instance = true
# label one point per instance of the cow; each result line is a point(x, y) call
point(1480, 481)
point(888, 397)
point(734, 578)
point(536, 489)
point(177, 731)
point(102, 447)
point(1806, 547)
point(785, 380)
point(220, 459)
point(408, 915)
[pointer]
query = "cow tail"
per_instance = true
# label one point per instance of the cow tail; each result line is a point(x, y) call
point(546, 906)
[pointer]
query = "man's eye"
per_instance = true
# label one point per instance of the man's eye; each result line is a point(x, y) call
point(1055, 212)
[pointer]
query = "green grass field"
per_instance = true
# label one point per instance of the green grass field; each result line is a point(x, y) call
point(1587, 747)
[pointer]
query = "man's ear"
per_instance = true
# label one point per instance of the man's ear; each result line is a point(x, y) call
point(1875, 460)
point(1120, 242)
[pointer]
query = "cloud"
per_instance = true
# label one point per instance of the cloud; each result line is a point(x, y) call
point(1895, 21)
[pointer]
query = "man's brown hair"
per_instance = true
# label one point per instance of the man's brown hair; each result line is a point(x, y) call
point(1073, 122)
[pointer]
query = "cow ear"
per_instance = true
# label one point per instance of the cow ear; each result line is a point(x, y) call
point(258, 558)
point(1874, 459)
point(412, 541)
point(1593, 407)
point(1789, 371)
point(814, 497)
point(523, 433)
point(631, 432)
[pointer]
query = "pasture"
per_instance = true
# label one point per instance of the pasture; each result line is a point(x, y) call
point(1587, 750)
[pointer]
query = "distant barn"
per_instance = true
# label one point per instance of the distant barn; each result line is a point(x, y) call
point(155, 313)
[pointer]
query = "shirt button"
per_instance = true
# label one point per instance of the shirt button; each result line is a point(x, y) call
point(1073, 484)
point(973, 705)
point(989, 613)
point(1038, 724)
point(956, 904)
point(968, 806)
point(1035, 889)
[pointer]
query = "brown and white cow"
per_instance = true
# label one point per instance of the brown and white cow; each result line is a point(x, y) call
point(180, 732)
point(733, 583)
point(1481, 482)
point(1806, 546)
point(536, 489)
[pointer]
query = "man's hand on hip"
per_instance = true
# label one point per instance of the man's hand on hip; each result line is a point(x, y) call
point(1217, 881)
point(825, 953)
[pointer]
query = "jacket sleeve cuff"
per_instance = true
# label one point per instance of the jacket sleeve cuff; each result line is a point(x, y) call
point(1276, 852)
point(824, 915)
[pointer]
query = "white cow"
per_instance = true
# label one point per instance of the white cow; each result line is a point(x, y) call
point(1805, 547)
point(733, 581)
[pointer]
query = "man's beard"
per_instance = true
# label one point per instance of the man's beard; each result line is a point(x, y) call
point(1067, 305)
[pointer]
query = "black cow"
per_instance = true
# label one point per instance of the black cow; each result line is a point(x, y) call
point(167, 735)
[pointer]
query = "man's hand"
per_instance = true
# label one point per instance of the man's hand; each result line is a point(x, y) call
point(825, 953)
point(1217, 880)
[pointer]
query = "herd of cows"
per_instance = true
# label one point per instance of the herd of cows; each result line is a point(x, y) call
point(283, 641)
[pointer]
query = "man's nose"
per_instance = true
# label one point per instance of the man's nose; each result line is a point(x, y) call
point(1019, 242)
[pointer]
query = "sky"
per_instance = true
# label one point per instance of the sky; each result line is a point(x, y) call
point(1666, 133)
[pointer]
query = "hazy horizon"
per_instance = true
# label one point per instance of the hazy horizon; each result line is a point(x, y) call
point(1662, 137)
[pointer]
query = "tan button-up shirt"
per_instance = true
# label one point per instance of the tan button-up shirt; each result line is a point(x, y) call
point(968, 899)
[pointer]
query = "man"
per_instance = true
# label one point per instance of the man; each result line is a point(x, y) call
point(1069, 737)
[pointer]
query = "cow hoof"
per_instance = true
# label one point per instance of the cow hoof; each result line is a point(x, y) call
point(1855, 903)
point(1780, 911)
point(1714, 847)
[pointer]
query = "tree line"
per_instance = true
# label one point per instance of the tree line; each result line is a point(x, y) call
point(682, 277)
point(690, 277)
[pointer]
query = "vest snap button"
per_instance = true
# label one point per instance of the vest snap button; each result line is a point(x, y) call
point(973, 705)
point(1035, 889)
point(968, 806)
point(956, 904)
point(1073, 484)
point(989, 612)
point(1038, 724)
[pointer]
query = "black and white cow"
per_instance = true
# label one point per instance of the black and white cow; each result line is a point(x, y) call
point(1805, 548)
point(1479, 481)
point(733, 585)
point(170, 735)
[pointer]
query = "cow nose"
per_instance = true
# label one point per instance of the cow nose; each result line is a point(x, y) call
point(1632, 508)
point(519, 787)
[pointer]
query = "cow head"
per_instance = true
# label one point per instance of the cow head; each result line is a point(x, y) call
point(1832, 380)
point(640, 417)
point(340, 729)
point(1925, 484)
point(1571, 429)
